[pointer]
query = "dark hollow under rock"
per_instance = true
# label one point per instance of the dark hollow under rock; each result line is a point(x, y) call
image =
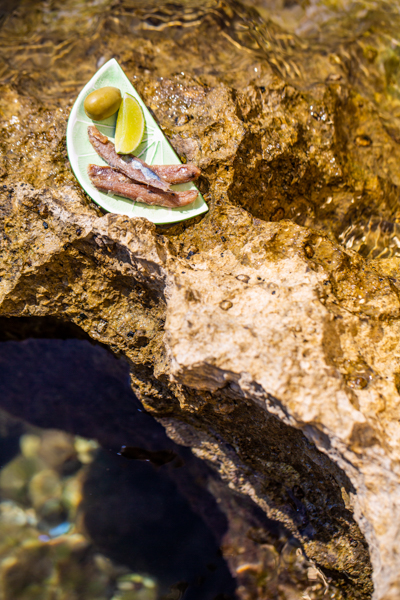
point(169, 521)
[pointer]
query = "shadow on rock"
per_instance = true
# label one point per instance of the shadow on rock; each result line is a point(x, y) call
point(144, 516)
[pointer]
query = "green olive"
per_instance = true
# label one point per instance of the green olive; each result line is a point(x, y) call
point(102, 103)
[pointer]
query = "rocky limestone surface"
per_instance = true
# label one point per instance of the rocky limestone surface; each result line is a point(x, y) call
point(252, 334)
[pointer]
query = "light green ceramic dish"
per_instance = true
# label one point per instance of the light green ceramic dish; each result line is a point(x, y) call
point(155, 150)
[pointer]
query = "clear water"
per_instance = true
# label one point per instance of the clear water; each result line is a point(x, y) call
point(77, 520)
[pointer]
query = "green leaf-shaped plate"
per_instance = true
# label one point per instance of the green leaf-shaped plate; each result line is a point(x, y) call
point(155, 150)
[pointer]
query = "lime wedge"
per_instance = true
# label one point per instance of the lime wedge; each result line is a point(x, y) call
point(130, 125)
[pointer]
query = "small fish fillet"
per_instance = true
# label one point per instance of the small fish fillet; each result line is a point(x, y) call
point(107, 179)
point(175, 174)
point(135, 168)
point(128, 164)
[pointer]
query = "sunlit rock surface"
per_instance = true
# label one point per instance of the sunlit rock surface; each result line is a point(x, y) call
point(257, 334)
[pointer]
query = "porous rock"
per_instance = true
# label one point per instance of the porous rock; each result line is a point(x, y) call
point(261, 343)
point(245, 351)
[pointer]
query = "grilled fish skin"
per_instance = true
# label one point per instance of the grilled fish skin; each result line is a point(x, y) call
point(175, 174)
point(107, 179)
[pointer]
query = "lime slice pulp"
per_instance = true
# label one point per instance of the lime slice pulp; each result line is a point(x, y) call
point(130, 125)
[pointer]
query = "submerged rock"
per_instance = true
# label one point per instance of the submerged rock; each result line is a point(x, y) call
point(256, 335)
point(42, 556)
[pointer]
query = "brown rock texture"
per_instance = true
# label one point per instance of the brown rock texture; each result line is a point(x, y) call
point(257, 335)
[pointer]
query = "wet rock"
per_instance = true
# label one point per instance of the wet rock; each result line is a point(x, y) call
point(291, 392)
